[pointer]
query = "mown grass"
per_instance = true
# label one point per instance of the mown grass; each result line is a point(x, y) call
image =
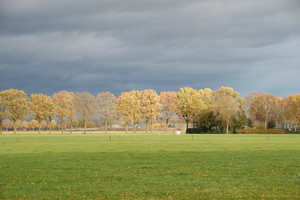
point(150, 167)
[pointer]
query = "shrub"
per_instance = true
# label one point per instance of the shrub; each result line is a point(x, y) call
point(261, 131)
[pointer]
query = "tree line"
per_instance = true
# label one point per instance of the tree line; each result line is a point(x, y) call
point(222, 109)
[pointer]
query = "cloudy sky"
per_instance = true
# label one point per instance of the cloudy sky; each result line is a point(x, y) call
point(122, 45)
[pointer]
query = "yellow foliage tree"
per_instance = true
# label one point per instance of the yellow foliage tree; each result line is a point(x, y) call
point(169, 106)
point(33, 124)
point(25, 125)
point(16, 103)
point(51, 125)
point(7, 124)
point(65, 107)
point(262, 108)
point(127, 108)
point(190, 104)
point(226, 105)
point(293, 109)
point(42, 107)
point(3, 108)
point(150, 106)
point(105, 103)
point(85, 105)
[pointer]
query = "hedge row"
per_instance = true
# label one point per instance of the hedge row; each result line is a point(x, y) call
point(261, 131)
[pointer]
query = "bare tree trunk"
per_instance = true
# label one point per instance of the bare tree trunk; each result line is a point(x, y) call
point(40, 127)
point(106, 125)
point(151, 126)
point(187, 125)
point(49, 124)
point(134, 128)
point(15, 126)
point(85, 122)
point(71, 126)
point(167, 123)
point(62, 127)
point(147, 126)
point(226, 128)
point(126, 128)
point(266, 124)
point(1, 127)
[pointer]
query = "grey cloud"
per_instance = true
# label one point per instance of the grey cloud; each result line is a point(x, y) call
point(116, 45)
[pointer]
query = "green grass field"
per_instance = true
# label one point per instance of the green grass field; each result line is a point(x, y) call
point(150, 167)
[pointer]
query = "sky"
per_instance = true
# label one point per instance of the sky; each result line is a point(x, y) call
point(121, 45)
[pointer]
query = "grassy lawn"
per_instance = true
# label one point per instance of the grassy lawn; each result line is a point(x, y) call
point(150, 167)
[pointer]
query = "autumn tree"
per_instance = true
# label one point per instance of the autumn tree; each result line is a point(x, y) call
point(226, 105)
point(248, 101)
point(7, 124)
point(16, 103)
point(25, 125)
point(190, 104)
point(293, 109)
point(105, 103)
point(149, 106)
point(65, 107)
point(51, 125)
point(42, 107)
point(261, 108)
point(168, 102)
point(71, 110)
point(33, 124)
point(127, 108)
point(85, 104)
point(3, 108)
point(206, 119)
point(279, 117)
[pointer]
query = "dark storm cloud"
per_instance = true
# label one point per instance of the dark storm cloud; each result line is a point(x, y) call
point(120, 45)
